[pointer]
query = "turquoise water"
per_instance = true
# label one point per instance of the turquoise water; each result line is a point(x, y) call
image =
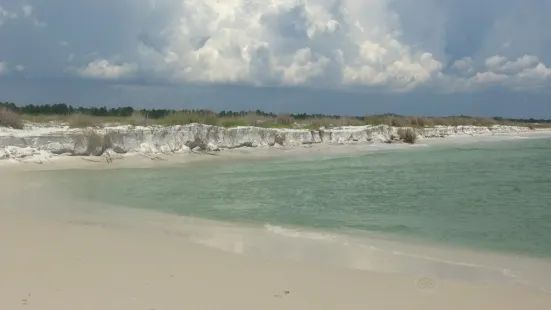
point(491, 195)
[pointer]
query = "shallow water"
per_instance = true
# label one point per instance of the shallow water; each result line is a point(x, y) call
point(493, 195)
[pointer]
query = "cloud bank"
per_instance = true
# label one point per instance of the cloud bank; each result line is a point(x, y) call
point(389, 45)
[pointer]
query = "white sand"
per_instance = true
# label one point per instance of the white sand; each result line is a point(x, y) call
point(135, 160)
point(54, 265)
point(58, 255)
point(43, 144)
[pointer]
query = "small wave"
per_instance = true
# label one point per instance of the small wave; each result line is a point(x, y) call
point(295, 233)
point(449, 262)
point(381, 255)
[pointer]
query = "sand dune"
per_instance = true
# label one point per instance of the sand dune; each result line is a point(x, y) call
point(40, 144)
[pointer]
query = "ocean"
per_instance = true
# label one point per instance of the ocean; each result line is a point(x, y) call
point(494, 196)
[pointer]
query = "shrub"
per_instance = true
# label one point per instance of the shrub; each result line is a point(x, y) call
point(8, 118)
point(408, 135)
point(396, 122)
point(375, 120)
point(318, 122)
point(284, 119)
point(234, 122)
point(275, 125)
point(139, 119)
point(253, 119)
point(210, 120)
point(178, 118)
point(350, 121)
point(80, 120)
point(90, 142)
point(425, 122)
point(184, 118)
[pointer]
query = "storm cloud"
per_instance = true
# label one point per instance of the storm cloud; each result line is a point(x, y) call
point(384, 46)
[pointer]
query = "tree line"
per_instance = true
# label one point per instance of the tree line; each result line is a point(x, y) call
point(64, 109)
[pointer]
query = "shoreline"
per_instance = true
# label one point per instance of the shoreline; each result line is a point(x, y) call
point(341, 250)
point(123, 259)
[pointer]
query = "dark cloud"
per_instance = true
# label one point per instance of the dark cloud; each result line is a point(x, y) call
point(63, 35)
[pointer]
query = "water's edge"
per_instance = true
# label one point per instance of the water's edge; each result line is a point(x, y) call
point(353, 251)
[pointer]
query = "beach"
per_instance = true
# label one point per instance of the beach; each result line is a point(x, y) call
point(69, 261)
point(275, 154)
point(59, 252)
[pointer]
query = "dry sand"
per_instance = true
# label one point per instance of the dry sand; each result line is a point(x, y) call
point(55, 256)
point(55, 265)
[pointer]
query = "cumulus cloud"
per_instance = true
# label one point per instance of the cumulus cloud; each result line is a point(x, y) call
point(524, 73)
point(464, 65)
point(384, 44)
point(342, 42)
point(318, 42)
point(103, 69)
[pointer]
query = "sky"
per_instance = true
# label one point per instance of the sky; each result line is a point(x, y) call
point(350, 57)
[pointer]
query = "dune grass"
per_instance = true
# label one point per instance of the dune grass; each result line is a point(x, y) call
point(12, 119)
point(83, 121)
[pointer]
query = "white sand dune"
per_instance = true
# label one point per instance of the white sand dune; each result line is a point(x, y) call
point(40, 144)
point(56, 254)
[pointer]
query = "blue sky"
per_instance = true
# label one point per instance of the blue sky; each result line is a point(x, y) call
point(430, 57)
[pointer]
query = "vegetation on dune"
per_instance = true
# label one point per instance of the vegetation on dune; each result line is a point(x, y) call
point(408, 135)
point(12, 115)
point(8, 118)
point(80, 120)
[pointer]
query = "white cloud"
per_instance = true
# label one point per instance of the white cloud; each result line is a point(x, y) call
point(6, 15)
point(3, 67)
point(381, 44)
point(304, 66)
point(323, 43)
point(103, 69)
point(20, 68)
point(288, 42)
point(527, 69)
point(523, 74)
point(488, 78)
point(27, 10)
point(464, 65)
point(39, 24)
point(516, 66)
point(495, 62)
